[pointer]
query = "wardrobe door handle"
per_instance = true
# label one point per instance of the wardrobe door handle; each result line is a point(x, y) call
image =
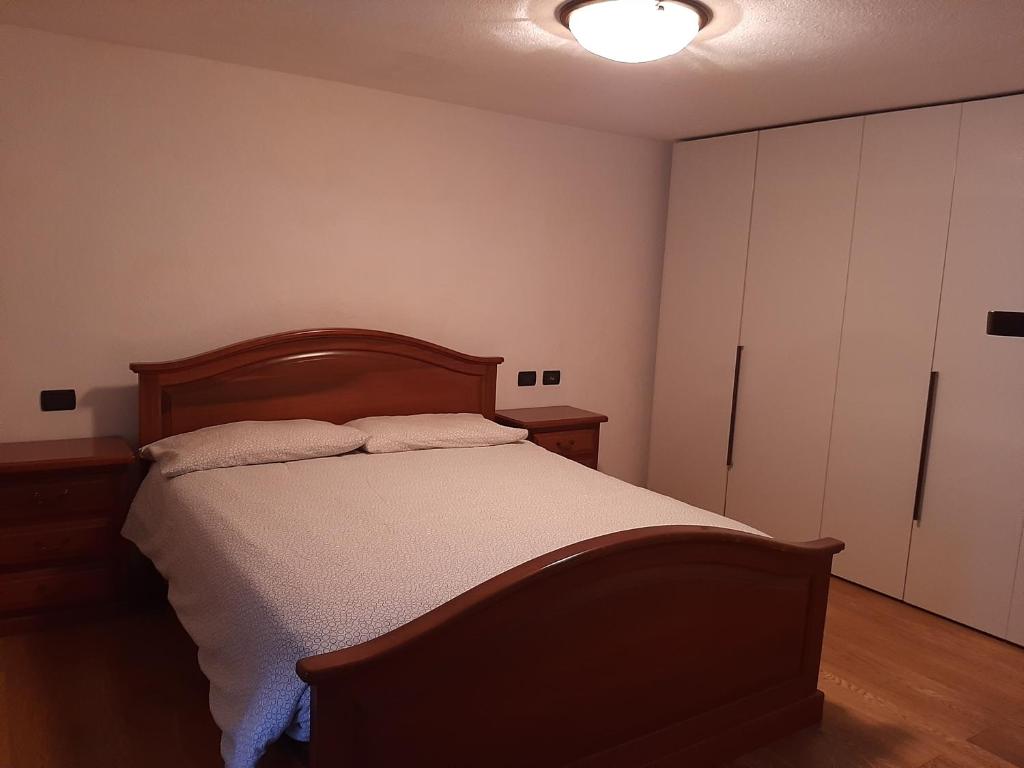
point(735, 395)
point(926, 443)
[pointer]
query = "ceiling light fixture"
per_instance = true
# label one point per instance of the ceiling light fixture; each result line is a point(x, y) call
point(634, 31)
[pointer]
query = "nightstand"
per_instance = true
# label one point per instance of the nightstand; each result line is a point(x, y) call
point(62, 504)
point(567, 431)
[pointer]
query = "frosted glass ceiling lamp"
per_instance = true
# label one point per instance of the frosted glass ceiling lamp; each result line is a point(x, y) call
point(633, 31)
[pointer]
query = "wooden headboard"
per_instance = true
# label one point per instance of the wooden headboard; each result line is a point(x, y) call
point(331, 374)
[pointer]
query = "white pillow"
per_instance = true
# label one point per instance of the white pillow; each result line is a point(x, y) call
point(389, 434)
point(251, 442)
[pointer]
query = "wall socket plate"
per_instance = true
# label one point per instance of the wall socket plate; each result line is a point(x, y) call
point(552, 377)
point(57, 400)
point(527, 378)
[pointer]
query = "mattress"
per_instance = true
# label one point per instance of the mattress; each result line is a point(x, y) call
point(271, 563)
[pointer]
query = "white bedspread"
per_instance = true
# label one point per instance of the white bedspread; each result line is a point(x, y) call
point(268, 564)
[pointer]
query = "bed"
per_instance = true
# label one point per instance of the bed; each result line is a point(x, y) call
point(496, 606)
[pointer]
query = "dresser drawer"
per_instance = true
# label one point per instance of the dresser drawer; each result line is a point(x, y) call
point(32, 544)
point(571, 443)
point(63, 494)
point(54, 588)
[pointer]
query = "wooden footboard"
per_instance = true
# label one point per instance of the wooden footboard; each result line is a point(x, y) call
point(667, 646)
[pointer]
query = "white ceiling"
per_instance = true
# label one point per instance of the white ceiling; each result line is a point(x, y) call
point(759, 62)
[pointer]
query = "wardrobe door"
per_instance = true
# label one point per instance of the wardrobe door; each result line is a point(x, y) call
point(892, 299)
point(701, 295)
point(1015, 633)
point(800, 231)
point(964, 550)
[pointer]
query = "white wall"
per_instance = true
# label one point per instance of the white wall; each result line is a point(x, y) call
point(154, 205)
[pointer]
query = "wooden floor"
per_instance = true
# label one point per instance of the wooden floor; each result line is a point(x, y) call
point(903, 688)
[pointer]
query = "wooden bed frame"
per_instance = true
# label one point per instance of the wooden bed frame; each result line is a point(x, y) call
point(664, 646)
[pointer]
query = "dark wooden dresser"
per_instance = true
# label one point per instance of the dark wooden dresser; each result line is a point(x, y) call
point(567, 431)
point(62, 504)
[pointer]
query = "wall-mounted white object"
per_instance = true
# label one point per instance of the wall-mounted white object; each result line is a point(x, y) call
point(800, 226)
point(964, 551)
point(875, 403)
point(701, 299)
point(892, 301)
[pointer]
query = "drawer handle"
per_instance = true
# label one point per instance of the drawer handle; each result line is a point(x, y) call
point(42, 498)
point(568, 444)
point(42, 546)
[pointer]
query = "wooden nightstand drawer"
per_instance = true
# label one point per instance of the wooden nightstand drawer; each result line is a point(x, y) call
point(35, 544)
point(561, 429)
point(62, 503)
point(69, 493)
point(54, 587)
point(570, 443)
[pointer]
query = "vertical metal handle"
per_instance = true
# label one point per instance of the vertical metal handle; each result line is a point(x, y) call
point(926, 443)
point(735, 395)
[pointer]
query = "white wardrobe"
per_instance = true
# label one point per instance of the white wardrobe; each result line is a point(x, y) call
point(823, 362)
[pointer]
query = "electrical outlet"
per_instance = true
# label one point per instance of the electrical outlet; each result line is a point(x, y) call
point(552, 377)
point(57, 400)
point(527, 378)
